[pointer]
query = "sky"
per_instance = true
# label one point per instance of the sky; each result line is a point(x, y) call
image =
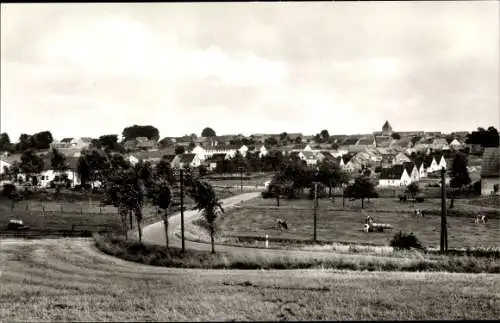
point(96, 68)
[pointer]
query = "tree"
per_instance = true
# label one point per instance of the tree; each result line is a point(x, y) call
point(160, 195)
point(485, 138)
point(41, 140)
point(396, 136)
point(5, 144)
point(298, 140)
point(126, 190)
point(191, 145)
point(165, 142)
point(150, 132)
point(324, 135)
point(31, 163)
point(59, 165)
point(208, 203)
point(330, 174)
point(412, 189)
point(24, 143)
point(208, 132)
point(179, 150)
point(164, 170)
point(271, 141)
point(415, 139)
point(93, 165)
point(361, 188)
point(459, 175)
point(109, 143)
point(284, 137)
point(10, 192)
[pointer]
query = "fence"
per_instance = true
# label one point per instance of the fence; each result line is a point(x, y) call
point(77, 230)
point(75, 207)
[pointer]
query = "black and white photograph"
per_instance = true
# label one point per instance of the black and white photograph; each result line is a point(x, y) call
point(250, 161)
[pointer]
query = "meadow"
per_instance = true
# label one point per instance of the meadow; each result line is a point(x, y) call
point(68, 280)
point(256, 218)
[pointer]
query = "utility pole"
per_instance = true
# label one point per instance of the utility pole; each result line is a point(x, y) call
point(444, 227)
point(181, 174)
point(315, 206)
point(241, 178)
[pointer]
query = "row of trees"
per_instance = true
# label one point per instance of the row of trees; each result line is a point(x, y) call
point(40, 140)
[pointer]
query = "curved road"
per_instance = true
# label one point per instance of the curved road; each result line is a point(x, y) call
point(155, 234)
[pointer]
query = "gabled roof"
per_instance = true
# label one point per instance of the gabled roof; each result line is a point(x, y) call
point(299, 146)
point(383, 141)
point(66, 140)
point(409, 167)
point(349, 141)
point(386, 126)
point(223, 147)
point(157, 154)
point(346, 158)
point(395, 172)
point(366, 141)
point(490, 163)
point(308, 154)
point(216, 158)
point(187, 158)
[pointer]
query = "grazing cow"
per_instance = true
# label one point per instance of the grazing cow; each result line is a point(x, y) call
point(281, 224)
point(480, 218)
point(419, 213)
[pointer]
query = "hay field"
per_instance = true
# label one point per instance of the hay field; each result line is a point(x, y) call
point(67, 280)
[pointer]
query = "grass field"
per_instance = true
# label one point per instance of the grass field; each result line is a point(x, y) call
point(257, 218)
point(67, 280)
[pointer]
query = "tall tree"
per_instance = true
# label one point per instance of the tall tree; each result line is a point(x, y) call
point(330, 174)
point(324, 135)
point(5, 143)
point(41, 140)
point(209, 204)
point(160, 195)
point(412, 190)
point(208, 132)
point(165, 143)
point(395, 136)
point(109, 143)
point(459, 175)
point(31, 164)
point(135, 131)
point(362, 188)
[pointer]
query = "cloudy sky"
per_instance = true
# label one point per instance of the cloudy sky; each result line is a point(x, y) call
point(93, 69)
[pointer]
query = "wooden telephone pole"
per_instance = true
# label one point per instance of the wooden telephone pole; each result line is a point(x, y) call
point(181, 174)
point(315, 207)
point(444, 227)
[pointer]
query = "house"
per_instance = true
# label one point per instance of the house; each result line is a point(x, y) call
point(422, 171)
point(348, 142)
point(309, 157)
point(303, 147)
point(366, 142)
point(48, 174)
point(439, 144)
point(325, 155)
point(153, 156)
point(402, 143)
point(263, 151)
point(4, 166)
point(456, 144)
point(214, 160)
point(400, 158)
point(72, 143)
point(490, 171)
point(186, 160)
point(412, 171)
point(140, 143)
point(395, 176)
point(353, 165)
point(383, 141)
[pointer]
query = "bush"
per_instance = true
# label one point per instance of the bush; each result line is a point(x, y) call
point(405, 241)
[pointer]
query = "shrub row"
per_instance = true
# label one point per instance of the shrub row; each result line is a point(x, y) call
point(173, 257)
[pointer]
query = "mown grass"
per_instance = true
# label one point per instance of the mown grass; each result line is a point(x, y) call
point(67, 280)
point(402, 261)
point(256, 218)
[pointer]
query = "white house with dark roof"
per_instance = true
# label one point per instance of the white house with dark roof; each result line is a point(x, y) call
point(395, 176)
point(186, 160)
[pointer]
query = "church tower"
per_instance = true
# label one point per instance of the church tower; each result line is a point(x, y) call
point(386, 129)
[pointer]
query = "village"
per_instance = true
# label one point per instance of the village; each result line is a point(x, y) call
point(392, 159)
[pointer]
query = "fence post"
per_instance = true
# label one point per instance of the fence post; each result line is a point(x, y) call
point(100, 209)
point(27, 208)
point(62, 210)
point(267, 241)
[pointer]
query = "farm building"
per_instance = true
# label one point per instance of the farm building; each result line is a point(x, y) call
point(395, 176)
point(490, 171)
